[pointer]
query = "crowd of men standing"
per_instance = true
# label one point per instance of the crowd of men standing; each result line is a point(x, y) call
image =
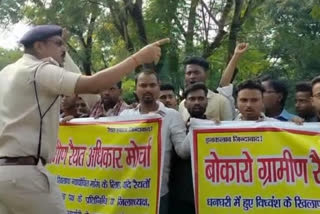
point(28, 127)
point(261, 99)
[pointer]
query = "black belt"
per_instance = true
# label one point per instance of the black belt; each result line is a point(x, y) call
point(28, 160)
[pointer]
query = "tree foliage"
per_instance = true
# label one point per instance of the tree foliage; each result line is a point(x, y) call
point(8, 56)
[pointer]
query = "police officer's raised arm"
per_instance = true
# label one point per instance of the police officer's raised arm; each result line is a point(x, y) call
point(31, 89)
point(103, 79)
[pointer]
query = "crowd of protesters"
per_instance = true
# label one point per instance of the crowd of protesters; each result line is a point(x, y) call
point(259, 99)
point(32, 90)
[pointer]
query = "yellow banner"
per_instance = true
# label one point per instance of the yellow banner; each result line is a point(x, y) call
point(266, 169)
point(111, 167)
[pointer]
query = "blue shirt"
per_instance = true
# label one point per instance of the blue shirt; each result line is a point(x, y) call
point(285, 116)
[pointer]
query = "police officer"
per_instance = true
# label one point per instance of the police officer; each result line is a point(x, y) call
point(29, 116)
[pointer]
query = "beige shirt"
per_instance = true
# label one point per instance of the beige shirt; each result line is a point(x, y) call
point(219, 108)
point(19, 116)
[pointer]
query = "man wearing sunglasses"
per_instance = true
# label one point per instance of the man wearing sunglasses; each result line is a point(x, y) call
point(29, 116)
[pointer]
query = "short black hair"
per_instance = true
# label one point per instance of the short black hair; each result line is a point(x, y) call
point(315, 81)
point(147, 72)
point(197, 61)
point(166, 87)
point(250, 84)
point(304, 87)
point(280, 87)
point(194, 87)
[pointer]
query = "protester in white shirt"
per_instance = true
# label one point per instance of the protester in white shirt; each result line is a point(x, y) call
point(173, 131)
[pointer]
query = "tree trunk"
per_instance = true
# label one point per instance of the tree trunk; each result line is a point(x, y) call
point(120, 21)
point(87, 64)
point(191, 24)
point(235, 27)
point(221, 32)
point(135, 11)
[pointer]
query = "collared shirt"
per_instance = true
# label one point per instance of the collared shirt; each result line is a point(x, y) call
point(19, 116)
point(262, 117)
point(173, 135)
point(219, 108)
point(285, 116)
point(99, 111)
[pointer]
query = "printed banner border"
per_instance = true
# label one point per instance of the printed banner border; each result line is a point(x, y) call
point(134, 121)
point(84, 123)
point(197, 131)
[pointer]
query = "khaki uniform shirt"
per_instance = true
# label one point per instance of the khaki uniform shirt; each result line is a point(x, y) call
point(19, 116)
point(219, 108)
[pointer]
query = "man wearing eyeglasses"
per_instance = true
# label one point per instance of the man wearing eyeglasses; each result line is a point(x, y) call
point(29, 116)
point(274, 99)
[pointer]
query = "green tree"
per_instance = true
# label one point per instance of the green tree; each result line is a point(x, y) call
point(8, 56)
point(10, 11)
point(104, 32)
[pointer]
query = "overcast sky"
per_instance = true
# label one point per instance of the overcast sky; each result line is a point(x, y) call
point(10, 36)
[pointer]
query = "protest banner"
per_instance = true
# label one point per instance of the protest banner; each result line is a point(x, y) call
point(256, 167)
point(109, 167)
